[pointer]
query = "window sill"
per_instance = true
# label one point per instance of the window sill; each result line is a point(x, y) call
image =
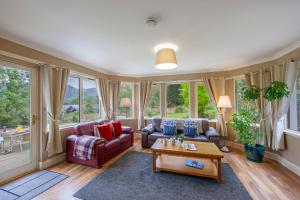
point(292, 133)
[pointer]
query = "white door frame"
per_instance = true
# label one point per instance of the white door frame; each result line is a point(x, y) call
point(34, 138)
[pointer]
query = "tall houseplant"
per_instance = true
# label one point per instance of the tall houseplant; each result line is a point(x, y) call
point(247, 120)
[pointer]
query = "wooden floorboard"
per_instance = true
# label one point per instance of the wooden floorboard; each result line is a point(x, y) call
point(268, 180)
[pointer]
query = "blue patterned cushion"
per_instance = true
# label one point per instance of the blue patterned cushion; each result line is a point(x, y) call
point(170, 127)
point(190, 128)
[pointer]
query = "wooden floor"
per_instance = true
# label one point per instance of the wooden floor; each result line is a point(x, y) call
point(268, 180)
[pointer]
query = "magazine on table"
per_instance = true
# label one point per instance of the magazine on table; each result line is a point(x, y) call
point(194, 164)
point(190, 147)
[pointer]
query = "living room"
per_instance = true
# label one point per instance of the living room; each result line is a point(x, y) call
point(149, 99)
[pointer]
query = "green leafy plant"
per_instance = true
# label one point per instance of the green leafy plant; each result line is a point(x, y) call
point(250, 93)
point(245, 123)
point(276, 91)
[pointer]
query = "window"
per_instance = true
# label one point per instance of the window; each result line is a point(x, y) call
point(178, 100)
point(239, 85)
point(91, 108)
point(153, 104)
point(206, 108)
point(70, 109)
point(294, 111)
point(125, 101)
point(81, 102)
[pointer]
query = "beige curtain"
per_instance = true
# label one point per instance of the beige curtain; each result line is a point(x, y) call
point(216, 88)
point(287, 74)
point(145, 87)
point(261, 79)
point(115, 91)
point(104, 92)
point(54, 88)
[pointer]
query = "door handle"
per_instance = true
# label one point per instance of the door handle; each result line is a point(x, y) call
point(33, 119)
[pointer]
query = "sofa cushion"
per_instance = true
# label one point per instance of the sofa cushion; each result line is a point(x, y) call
point(190, 128)
point(200, 138)
point(85, 128)
point(112, 145)
point(157, 124)
point(156, 135)
point(117, 128)
point(105, 131)
point(125, 138)
point(170, 127)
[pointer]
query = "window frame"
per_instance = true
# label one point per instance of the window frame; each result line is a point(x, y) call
point(288, 130)
point(132, 85)
point(160, 115)
point(81, 78)
point(166, 104)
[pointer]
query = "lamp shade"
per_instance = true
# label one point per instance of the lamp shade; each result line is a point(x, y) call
point(125, 102)
point(224, 102)
point(165, 56)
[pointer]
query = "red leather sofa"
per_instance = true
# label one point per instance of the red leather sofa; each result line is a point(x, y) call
point(104, 150)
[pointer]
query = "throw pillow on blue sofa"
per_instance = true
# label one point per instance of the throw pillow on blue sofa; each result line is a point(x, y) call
point(169, 127)
point(190, 128)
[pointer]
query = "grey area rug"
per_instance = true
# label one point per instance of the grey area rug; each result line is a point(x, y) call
point(30, 186)
point(131, 178)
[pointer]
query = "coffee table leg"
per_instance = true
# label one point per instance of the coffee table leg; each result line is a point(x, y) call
point(154, 161)
point(219, 170)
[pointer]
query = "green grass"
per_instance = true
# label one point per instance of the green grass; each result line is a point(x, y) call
point(178, 115)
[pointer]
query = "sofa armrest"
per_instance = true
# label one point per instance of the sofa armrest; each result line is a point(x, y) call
point(211, 132)
point(148, 129)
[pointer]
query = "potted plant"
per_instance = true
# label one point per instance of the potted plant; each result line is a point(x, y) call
point(246, 122)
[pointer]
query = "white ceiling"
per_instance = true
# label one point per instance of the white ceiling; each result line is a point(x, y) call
point(112, 36)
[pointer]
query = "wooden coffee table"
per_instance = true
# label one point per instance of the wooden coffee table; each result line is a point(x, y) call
point(172, 158)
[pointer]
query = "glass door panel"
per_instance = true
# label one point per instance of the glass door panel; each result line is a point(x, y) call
point(17, 121)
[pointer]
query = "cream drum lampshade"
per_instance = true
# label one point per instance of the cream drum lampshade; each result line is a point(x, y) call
point(166, 56)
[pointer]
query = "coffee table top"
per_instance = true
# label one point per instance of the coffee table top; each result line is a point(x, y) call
point(204, 149)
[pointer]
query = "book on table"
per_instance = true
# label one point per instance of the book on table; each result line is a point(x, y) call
point(190, 147)
point(195, 164)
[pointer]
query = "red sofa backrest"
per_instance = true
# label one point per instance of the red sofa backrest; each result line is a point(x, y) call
point(87, 128)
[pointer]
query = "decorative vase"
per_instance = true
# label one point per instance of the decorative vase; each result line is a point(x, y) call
point(256, 153)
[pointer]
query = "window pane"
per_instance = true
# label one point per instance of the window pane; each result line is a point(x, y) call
point(90, 100)
point(153, 104)
point(125, 101)
point(294, 112)
point(178, 100)
point(70, 110)
point(206, 108)
point(239, 85)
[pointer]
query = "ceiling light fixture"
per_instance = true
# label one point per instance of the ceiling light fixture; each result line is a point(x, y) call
point(166, 56)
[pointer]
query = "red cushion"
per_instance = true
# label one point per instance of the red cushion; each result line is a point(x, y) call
point(105, 131)
point(117, 128)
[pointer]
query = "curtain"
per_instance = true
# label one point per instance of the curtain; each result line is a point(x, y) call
point(288, 74)
point(115, 90)
point(145, 87)
point(261, 79)
point(104, 93)
point(216, 88)
point(54, 83)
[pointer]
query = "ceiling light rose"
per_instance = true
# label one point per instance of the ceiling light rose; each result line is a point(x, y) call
point(166, 56)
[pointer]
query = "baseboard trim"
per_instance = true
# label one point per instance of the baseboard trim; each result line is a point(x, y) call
point(52, 161)
point(286, 163)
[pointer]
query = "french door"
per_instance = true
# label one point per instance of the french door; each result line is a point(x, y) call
point(18, 121)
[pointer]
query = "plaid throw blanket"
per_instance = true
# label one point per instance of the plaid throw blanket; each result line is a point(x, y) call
point(84, 147)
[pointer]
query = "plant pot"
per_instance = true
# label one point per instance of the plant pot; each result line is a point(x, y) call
point(255, 154)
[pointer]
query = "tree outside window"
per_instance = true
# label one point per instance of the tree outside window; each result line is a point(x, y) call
point(178, 100)
point(153, 104)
